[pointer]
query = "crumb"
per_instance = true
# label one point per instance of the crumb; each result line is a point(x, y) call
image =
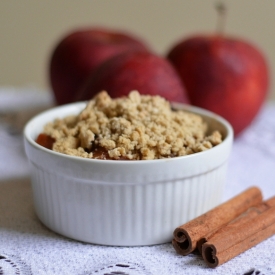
point(134, 127)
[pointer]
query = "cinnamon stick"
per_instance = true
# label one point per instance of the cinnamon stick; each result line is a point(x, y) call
point(251, 213)
point(252, 227)
point(186, 236)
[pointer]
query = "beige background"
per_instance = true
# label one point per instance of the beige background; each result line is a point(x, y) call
point(29, 29)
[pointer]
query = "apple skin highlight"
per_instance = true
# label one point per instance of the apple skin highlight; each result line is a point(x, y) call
point(228, 76)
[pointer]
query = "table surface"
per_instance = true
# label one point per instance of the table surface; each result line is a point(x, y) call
point(28, 247)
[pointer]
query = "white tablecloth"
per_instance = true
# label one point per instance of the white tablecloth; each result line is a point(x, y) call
point(28, 247)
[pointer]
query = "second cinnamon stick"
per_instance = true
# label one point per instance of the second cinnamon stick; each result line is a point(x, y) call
point(250, 229)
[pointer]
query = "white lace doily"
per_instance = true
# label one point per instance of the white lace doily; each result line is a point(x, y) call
point(28, 247)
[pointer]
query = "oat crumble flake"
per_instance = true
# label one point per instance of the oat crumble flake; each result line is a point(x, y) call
point(134, 127)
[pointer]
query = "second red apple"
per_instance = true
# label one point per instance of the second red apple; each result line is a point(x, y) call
point(142, 71)
point(225, 75)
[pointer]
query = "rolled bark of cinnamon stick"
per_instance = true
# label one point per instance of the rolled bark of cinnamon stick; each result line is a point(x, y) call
point(254, 226)
point(186, 236)
point(251, 213)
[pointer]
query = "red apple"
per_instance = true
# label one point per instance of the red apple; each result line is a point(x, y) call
point(78, 54)
point(226, 75)
point(143, 71)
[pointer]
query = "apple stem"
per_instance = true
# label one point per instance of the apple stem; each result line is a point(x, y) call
point(221, 9)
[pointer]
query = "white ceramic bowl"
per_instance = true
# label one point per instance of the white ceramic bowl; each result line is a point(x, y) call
point(123, 203)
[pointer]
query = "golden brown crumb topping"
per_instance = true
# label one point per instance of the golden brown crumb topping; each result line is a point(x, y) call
point(136, 127)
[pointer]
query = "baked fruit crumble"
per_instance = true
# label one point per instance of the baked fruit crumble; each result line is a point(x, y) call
point(134, 127)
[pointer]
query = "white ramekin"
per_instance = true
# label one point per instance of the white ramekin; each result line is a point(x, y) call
point(123, 203)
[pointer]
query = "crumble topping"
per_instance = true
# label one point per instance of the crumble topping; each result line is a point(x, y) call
point(136, 127)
